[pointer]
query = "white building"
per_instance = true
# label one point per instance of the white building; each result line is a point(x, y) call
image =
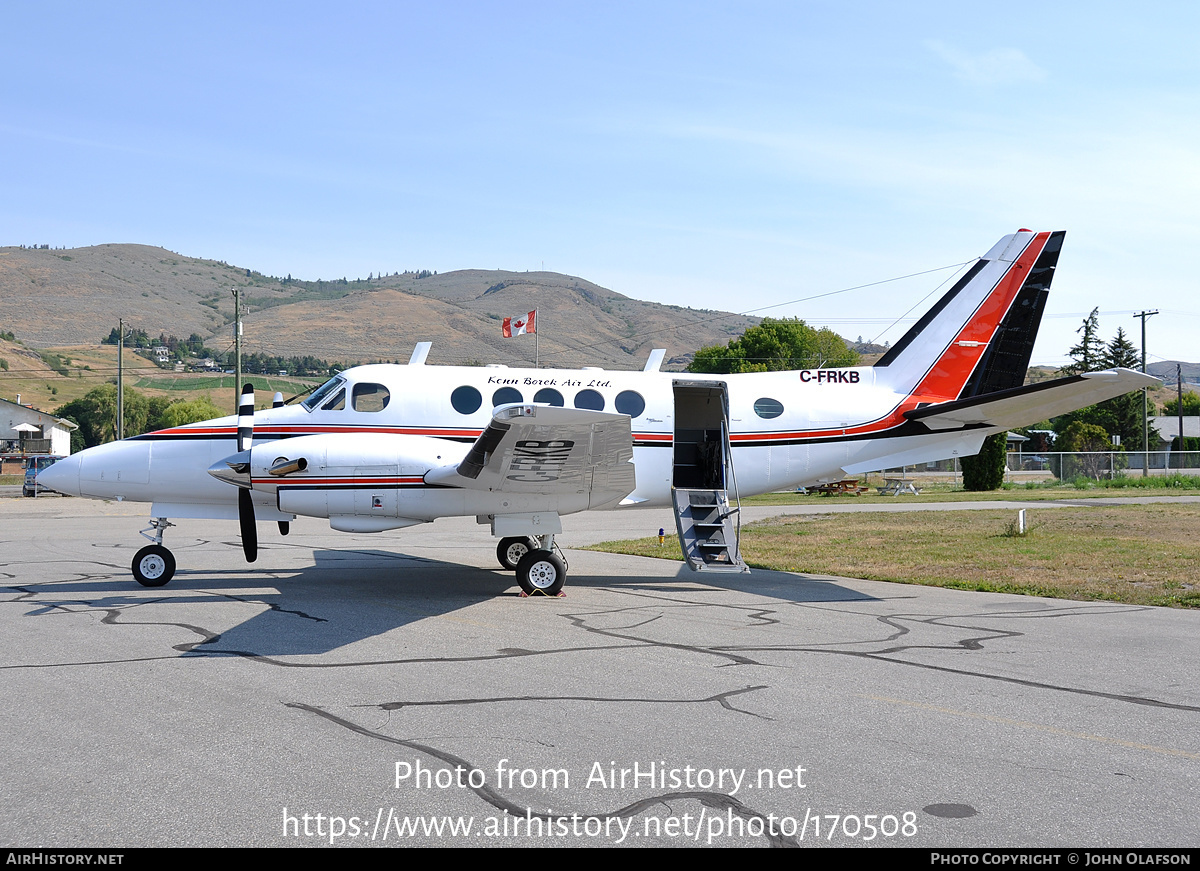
point(37, 432)
point(1168, 429)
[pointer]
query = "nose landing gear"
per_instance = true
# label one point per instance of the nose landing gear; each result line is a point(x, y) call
point(154, 565)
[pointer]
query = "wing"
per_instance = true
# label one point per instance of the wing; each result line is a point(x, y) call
point(1022, 406)
point(544, 450)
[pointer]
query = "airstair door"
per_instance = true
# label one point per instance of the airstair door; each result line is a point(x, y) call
point(702, 473)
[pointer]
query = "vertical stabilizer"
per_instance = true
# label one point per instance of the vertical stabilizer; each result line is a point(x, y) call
point(978, 338)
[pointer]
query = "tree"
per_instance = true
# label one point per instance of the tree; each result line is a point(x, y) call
point(1121, 416)
point(96, 414)
point(1191, 405)
point(776, 345)
point(1090, 440)
point(193, 411)
point(1120, 353)
point(1087, 355)
point(985, 470)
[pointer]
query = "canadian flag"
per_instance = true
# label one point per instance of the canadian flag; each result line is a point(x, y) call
point(520, 324)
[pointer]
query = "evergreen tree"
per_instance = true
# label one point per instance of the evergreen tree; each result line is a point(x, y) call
point(1124, 412)
point(985, 470)
point(1121, 416)
point(1087, 355)
point(1120, 353)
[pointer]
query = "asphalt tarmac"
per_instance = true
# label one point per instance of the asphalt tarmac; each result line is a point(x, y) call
point(394, 689)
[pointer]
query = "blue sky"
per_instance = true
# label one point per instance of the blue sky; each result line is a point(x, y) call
point(717, 155)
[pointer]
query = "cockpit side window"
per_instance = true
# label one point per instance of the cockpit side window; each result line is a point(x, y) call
point(370, 397)
point(337, 403)
point(322, 393)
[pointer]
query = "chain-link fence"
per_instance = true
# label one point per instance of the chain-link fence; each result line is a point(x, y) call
point(1105, 464)
point(1068, 466)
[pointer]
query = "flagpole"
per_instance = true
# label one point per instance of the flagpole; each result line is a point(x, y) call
point(536, 331)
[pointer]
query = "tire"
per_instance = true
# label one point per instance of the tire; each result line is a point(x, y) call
point(541, 571)
point(28, 493)
point(153, 566)
point(511, 550)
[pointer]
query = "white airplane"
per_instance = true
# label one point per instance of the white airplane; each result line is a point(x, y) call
point(384, 447)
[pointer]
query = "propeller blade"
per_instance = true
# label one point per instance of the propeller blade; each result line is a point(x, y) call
point(249, 530)
point(245, 440)
point(245, 431)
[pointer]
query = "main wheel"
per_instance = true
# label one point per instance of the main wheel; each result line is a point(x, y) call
point(510, 551)
point(153, 566)
point(541, 571)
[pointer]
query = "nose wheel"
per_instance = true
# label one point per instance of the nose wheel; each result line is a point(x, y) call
point(153, 566)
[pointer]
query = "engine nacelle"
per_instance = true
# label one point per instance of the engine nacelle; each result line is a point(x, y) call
point(344, 475)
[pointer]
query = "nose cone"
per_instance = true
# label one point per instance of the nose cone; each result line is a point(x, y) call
point(62, 477)
point(233, 470)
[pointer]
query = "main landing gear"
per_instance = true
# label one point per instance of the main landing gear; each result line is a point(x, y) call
point(154, 565)
point(537, 561)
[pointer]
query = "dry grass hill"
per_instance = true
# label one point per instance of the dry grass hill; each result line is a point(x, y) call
point(54, 298)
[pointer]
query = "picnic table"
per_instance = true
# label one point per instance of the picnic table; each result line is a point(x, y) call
point(896, 486)
point(845, 487)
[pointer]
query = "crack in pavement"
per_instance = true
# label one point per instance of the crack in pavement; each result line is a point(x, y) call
point(720, 698)
point(735, 655)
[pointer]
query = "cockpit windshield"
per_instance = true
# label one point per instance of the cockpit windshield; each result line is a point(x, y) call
point(318, 396)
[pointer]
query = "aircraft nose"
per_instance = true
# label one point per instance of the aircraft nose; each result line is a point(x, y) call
point(62, 477)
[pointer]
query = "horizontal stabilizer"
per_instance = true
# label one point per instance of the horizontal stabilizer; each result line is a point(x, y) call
point(547, 450)
point(1022, 406)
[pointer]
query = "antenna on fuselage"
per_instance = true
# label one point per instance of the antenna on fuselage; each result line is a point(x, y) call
point(655, 360)
point(420, 352)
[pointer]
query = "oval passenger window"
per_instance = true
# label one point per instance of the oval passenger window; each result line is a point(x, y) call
point(505, 395)
point(466, 399)
point(550, 396)
point(590, 400)
point(630, 403)
point(768, 408)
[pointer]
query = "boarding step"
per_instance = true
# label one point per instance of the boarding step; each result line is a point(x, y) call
point(708, 531)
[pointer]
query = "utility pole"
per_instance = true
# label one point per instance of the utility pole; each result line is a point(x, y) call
point(1145, 397)
point(120, 379)
point(1179, 393)
point(237, 345)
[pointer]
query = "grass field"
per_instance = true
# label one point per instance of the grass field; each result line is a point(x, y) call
point(189, 383)
point(1139, 554)
point(89, 367)
point(943, 490)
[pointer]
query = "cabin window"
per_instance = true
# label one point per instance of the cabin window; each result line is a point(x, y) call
point(768, 408)
point(549, 396)
point(466, 399)
point(370, 397)
point(322, 392)
point(590, 400)
point(337, 403)
point(630, 403)
point(505, 395)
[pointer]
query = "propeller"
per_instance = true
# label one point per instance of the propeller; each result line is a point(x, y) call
point(245, 438)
